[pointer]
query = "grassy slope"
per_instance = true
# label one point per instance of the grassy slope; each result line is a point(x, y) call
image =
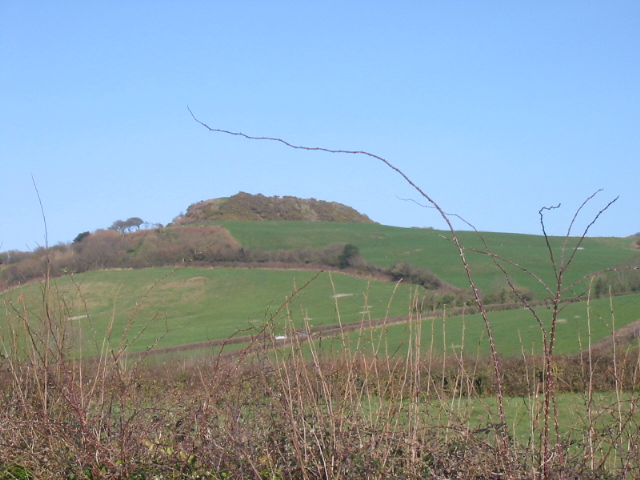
point(190, 305)
point(383, 245)
point(514, 331)
point(198, 304)
point(195, 304)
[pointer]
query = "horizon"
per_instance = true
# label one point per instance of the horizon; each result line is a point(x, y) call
point(494, 109)
point(151, 225)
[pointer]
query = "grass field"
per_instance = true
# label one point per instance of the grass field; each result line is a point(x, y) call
point(514, 331)
point(384, 245)
point(169, 306)
point(166, 307)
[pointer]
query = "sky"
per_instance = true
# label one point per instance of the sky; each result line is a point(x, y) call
point(494, 109)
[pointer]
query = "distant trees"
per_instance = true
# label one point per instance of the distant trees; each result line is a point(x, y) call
point(349, 252)
point(14, 256)
point(126, 245)
point(119, 247)
point(80, 237)
point(122, 226)
point(508, 295)
point(416, 275)
point(625, 280)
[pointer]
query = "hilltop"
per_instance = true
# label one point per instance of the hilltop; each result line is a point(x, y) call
point(246, 207)
point(256, 231)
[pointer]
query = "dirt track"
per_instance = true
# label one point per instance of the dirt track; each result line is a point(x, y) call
point(261, 339)
point(623, 336)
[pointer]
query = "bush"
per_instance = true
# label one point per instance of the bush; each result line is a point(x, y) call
point(509, 296)
point(416, 275)
point(624, 280)
point(348, 253)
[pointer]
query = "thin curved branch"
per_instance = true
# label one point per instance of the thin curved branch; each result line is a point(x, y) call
point(546, 237)
point(579, 209)
point(586, 230)
point(456, 241)
point(498, 258)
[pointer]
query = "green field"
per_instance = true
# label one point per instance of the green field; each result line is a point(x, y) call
point(186, 305)
point(514, 331)
point(383, 245)
point(177, 306)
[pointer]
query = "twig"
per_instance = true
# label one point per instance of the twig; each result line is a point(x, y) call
point(456, 241)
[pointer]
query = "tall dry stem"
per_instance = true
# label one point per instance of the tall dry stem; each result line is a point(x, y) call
point(454, 238)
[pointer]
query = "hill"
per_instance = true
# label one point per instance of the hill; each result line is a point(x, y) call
point(270, 256)
point(246, 207)
point(386, 246)
point(421, 256)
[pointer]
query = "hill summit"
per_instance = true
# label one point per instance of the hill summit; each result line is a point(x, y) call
point(247, 207)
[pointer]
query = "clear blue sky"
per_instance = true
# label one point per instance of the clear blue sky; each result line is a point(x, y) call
point(495, 109)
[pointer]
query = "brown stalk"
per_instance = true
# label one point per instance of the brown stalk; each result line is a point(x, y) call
point(456, 241)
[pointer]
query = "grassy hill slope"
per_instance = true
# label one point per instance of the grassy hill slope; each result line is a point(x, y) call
point(166, 307)
point(384, 245)
point(515, 331)
point(174, 306)
point(169, 306)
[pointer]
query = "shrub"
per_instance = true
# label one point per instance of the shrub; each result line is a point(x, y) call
point(348, 253)
point(80, 237)
point(626, 279)
point(509, 296)
point(416, 275)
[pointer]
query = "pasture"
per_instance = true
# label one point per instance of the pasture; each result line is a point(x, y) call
point(384, 245)
point(166, 307)
point(515, 331)
point(169, 307)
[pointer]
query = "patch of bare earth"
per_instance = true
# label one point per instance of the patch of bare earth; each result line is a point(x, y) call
point(622, 337)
